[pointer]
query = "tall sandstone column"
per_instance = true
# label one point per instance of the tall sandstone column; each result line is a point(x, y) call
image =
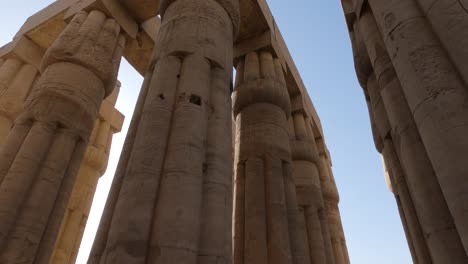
point(312, 218)
point(92, 167)
point(331, 201)
point(436, 92)
point(173, 203)
point(266, 213)
point(19, 69)
point(434, 217)
point(19, 73)
point(383, 126)
point(40, 159)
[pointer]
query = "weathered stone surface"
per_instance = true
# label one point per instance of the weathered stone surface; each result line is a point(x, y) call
point(306, 176)
point(417, 104)
point(41, 156)
point(265, 216)
point(331, 201)
point(166, 179)
point(92, 167)
point(437, 96)
point(23, 58)
point(177, 185)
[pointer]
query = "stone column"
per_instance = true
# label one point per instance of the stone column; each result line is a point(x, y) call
point(417, 240)
point(435, 218)
point(106, 219)
point(331, 200)
point(437, 97)
point(265, 215)
point(92, 167)
point(392, 169)
point(40, 159)
point(306, 176)
point(405, 203)
point(341, 235)
point(174, 199)
point(19, 64)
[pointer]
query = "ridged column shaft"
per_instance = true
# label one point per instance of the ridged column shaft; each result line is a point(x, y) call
point(383, 130)
point(308, 188)
point(449, 21)
point(404, 200)
point(40, 159)
point(92, 167)
point(398, 184)
point(432, 210)
point(266, 215)
point(104, 226)
point(16, 81)
point(179, 171)
point(437, 97)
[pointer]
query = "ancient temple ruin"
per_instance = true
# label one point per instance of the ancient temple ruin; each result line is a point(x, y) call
point(217, 169)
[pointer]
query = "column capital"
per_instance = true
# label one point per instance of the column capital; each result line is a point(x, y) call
point(92, 41)
point(260, 79)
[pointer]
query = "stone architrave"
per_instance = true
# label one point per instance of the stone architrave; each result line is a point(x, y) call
point(40, 159)
point(93, 166)
point(173, 203)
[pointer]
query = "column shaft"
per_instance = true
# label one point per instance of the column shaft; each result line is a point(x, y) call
point(92, 167)
point(331, 200)
point(404, 200)
point(270, 216)
point(316, 243)
point(100, 240)
point(448, 20)
point(16, 81)
point(433, 213)
point(436, 95)
point(175, 176)
point(308, 188)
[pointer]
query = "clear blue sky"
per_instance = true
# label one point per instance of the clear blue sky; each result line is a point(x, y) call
point(317, 38)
